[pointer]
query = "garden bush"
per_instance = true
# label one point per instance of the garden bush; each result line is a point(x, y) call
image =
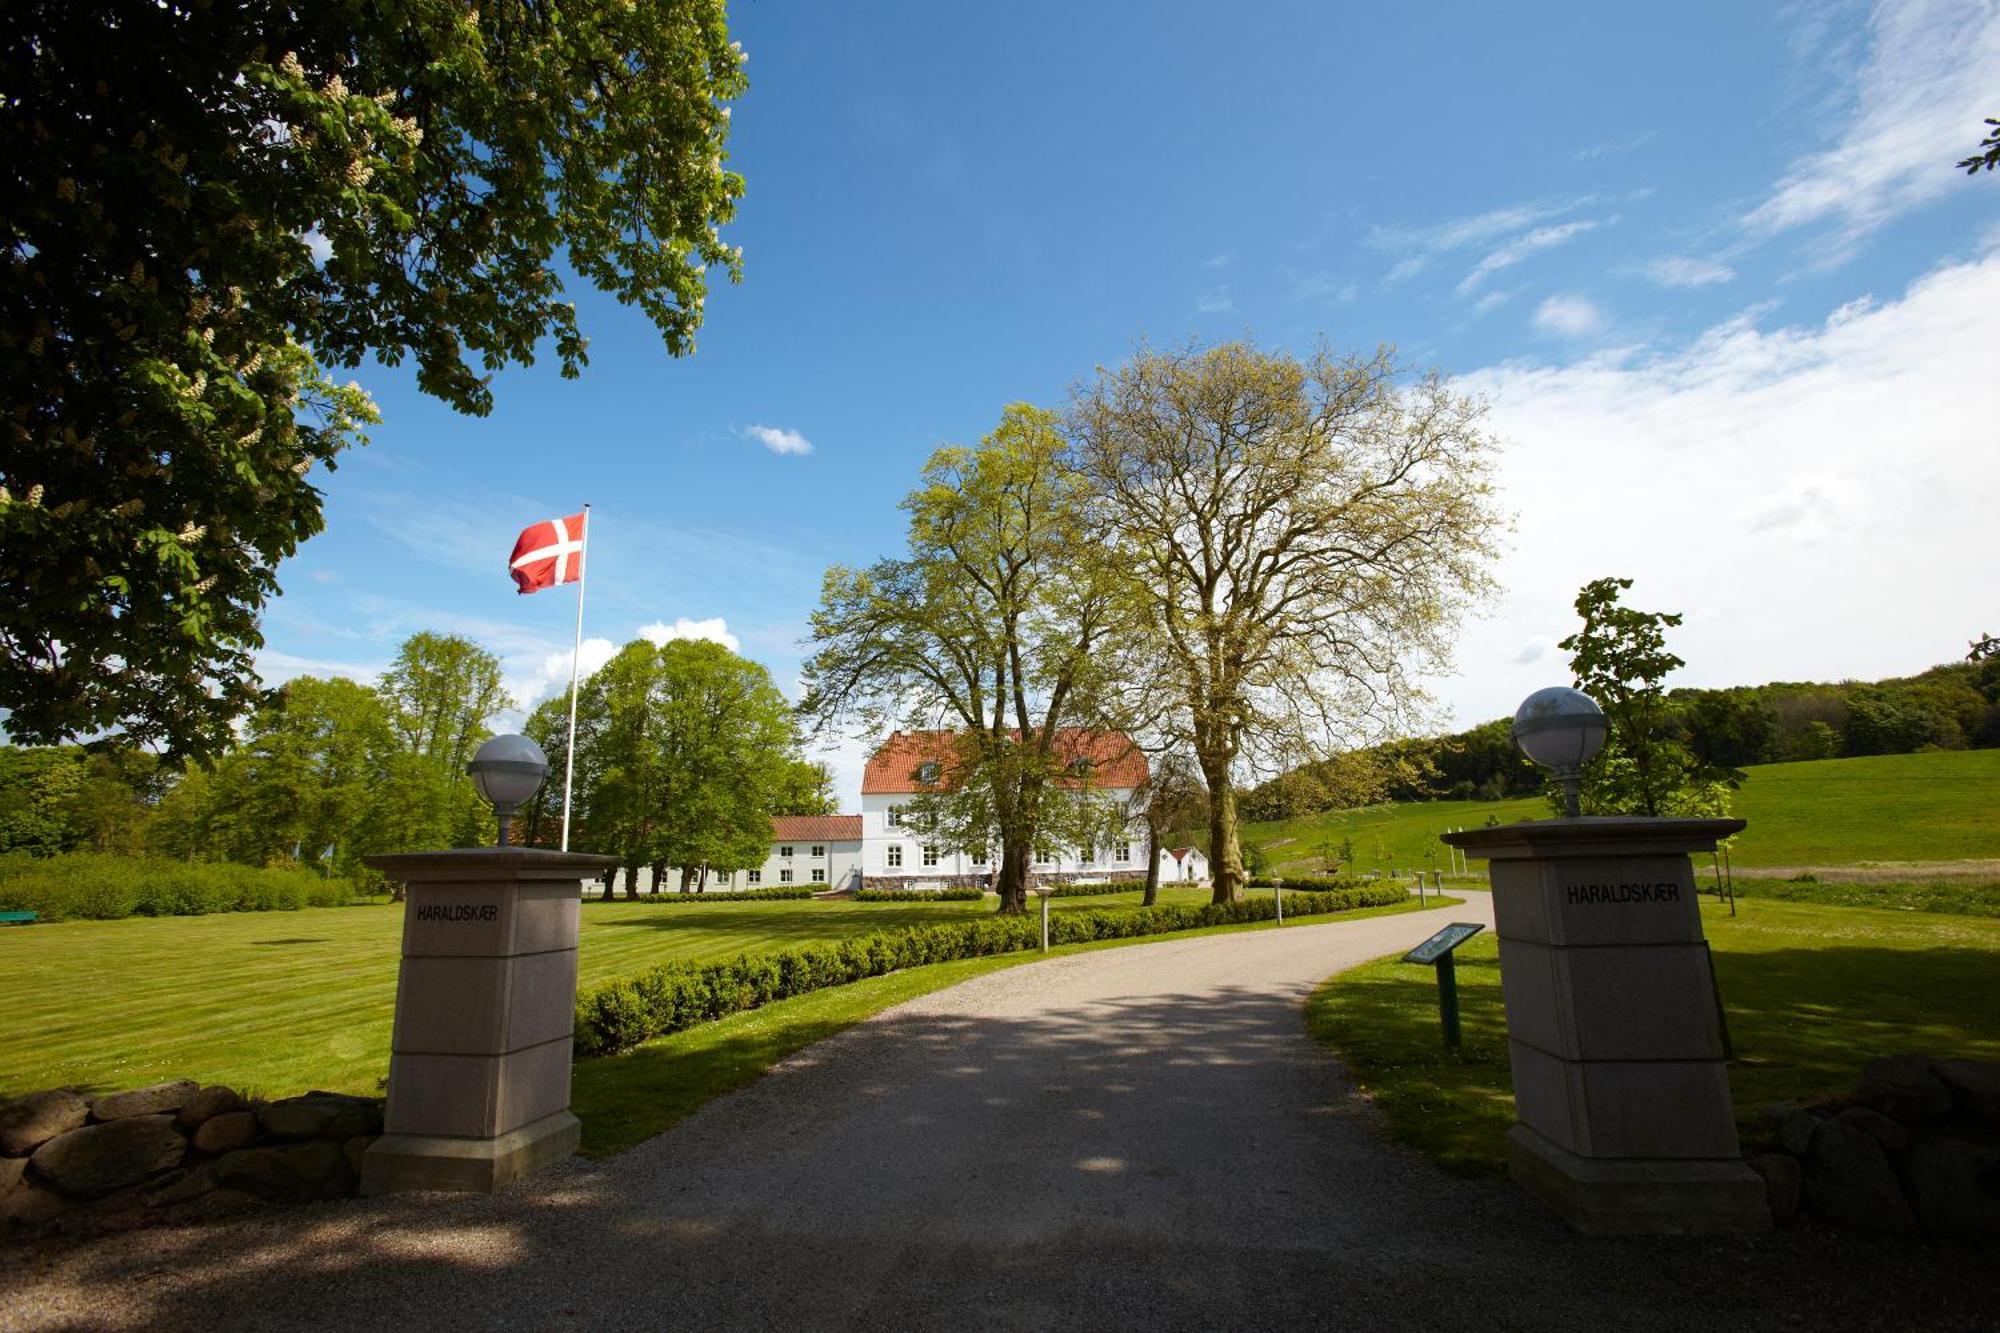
point(100, 887)
point(1098, 890)
point(1309, 884)
point(959, 893)
point(671, 998)
point(787, 891)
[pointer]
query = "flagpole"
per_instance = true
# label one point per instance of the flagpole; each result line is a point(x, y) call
point(575, 657)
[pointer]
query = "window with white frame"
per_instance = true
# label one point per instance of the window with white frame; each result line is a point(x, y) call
point(784, 877)
point(927, 773)
point(819, 850)
point(979, 856)
point(895, 816)
point(1087, 855)
point(785, 851)
point(895, 855)
point(930, 855)
point(754, 876)
point(1123, 851)
point(1044, 857)
point(819, 875)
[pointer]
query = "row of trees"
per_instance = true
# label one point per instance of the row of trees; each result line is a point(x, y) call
point(683, 753)
point(1232, 554)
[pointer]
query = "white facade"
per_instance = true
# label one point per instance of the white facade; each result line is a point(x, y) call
point(891, 852)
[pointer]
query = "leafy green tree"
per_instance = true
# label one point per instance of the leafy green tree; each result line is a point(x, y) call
point(1620, 659)
point(441, 693)
point(39, 787)
point(206, 204)
point(992, 623)
point(804, 787)
point(1171, 800)
point(1299, 539)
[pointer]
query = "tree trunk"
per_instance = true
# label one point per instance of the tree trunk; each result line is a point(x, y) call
point(687, 879)
point(701, 881)
point(659, 873)
point(632, 883)
point(610, 883)
point(1152, 866)
point(1225, 852)
point(1012, 881)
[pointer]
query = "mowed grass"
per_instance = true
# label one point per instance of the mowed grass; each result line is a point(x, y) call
point(280, 1002)
point(1943, 806)
point(1811, 992)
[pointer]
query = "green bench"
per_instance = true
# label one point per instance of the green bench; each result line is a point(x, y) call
point(18, 918)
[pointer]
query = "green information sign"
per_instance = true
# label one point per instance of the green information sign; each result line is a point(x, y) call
point(1442, 943)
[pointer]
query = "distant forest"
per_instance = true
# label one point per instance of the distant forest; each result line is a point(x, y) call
point(1952, 707)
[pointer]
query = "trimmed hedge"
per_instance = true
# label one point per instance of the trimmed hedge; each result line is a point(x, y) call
point(671, 998)
point(959, 893)
point(1309, 885)
point(787, 891)
point(100, 887)
point(1099, 890)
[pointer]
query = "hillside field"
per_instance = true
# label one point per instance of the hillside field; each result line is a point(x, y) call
point(1942, 806)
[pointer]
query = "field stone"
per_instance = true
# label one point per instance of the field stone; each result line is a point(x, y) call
point(1794, 1127)
point(183, 1187)
point(1850, 1181)
point(361, 1116)
point(159, 1098)
point(259, 1171)
point(26, 1123)
point(1903, 1086)
point(297, 1117)
point(11, 1171)
point(1877, 1126)
point(355, 1149)
point(1951, 1185)
point(1783, 1180)
point(96, 1160)
point(209, 1103)
point(227, 1132)
point(321, 1166)
point(31, 1204)
point(1977, 1086)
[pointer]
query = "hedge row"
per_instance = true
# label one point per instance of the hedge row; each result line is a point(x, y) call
point(713, 896)
point(676, 996)
point(1310, 885)
point(1097, 890)
point(96, 886)
point(959, 893)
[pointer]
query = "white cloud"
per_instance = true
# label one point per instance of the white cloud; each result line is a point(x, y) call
point(1518, 249)
point(1472, 230)
point(1406, 268)
point(714, 630)
point(1928, 80)
point(1490, 302)
point(275, 668)
point(1826, 489)
point(1214, 302)
point(1223, 260)
point(1681, 271)
point(1571, 316)
point(1613, 147)
point(531, 678)
point(779, 440)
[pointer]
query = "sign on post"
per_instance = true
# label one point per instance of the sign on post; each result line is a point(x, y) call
point(1437, 951)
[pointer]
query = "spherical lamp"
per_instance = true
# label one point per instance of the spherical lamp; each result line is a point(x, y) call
point(507, 771)
point(1562, 729)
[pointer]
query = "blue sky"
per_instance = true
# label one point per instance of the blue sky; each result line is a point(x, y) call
point(1711, 264)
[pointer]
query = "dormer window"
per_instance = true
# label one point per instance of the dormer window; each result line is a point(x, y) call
point(927, 772)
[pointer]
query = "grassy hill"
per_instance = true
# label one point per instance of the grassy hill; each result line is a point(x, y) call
point(1943, 806)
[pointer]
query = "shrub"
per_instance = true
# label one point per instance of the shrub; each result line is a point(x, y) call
point(1307, 884)
point(767, 894)
point(961, 893)
point(1098, 890)
point(100, 887)
point(671, 998)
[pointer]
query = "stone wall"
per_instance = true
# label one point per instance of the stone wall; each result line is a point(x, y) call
point(1915, 1148)
point(174, 1149)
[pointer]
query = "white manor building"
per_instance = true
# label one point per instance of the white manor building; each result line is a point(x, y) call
point(836, 853)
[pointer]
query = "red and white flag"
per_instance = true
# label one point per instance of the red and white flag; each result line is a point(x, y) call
point(548, 553)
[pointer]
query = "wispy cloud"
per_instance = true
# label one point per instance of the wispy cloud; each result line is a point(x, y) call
point(1223, 260)
point(1214, 301)
point(1472, 230)
point(1613, 147)
point(1406, 268)
point(779, 439)
point(1570, 316)
point(1681, 271)
point(1928, 78)
point(1320, 287)
point(1518, 249)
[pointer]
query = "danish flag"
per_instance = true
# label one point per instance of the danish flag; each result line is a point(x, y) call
point(548, 553)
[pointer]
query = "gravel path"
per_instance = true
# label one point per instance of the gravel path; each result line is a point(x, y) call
point(1140, 1137)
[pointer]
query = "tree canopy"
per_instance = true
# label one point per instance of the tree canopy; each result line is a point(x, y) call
point(208, 202)
point(1299, 539)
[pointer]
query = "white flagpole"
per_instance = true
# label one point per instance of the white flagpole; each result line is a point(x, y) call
point(575, 656)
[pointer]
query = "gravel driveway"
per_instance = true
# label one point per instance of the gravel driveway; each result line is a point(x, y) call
point(1140, 1137)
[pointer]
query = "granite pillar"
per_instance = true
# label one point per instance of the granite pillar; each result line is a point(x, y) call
point(485, 1005)
point(1614, 1032)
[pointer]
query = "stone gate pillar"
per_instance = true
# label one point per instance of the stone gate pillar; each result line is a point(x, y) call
point(485, 1004)
point(1614, 1028)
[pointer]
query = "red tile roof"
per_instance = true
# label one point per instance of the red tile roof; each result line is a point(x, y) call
point(1114, 760)
point(816, 828)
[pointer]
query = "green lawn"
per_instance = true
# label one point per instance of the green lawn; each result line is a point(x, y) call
point(278, 1002)
point(1943, 806)
point(1812, 993)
